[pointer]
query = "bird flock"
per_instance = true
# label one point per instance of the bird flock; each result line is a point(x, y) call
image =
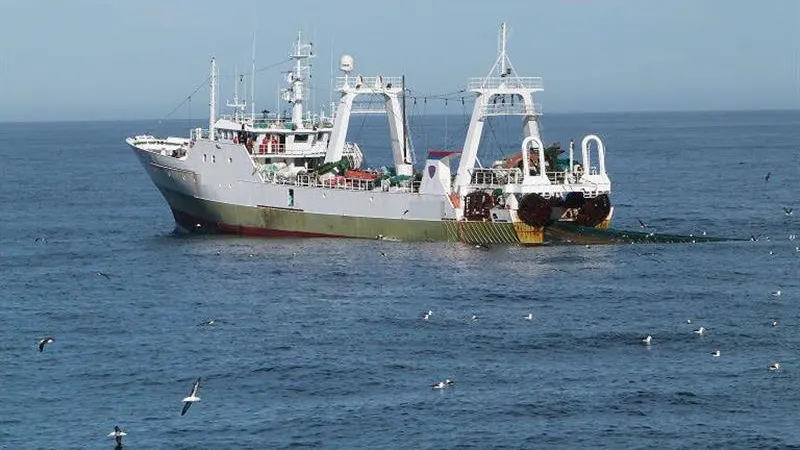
point(701, 331)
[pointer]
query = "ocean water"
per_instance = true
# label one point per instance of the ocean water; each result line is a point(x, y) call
point(321, 344)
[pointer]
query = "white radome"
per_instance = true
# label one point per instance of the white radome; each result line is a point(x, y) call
point(346, 63)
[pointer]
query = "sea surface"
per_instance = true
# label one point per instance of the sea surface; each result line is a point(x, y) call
point(321, 343)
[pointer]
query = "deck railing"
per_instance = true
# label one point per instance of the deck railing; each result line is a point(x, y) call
point(495, 177)
point(505, 82)
point(370, 82)
point(351, 184)
point(515, 109)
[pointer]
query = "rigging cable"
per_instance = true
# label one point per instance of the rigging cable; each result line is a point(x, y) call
point(188, 99)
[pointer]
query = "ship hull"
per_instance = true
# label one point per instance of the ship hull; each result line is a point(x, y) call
point(202, 204)
point(195, 215)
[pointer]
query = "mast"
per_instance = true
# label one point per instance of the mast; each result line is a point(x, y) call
point(502, 49)
point(212, 100)
point(405, 122)
point(253, 83)
point(296, 94)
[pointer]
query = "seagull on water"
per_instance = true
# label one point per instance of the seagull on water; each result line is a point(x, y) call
point(529, 316)
point(209, 322)
point(766, 178)
point(192, 398)
point(774, 366)
point(42, 342)
point(774, 323)
point(647, 340)
point(427, 314)
point(700, 331)
point(117, 434)
point(474, 317)
point(443, 384)
point(776, 293)
point(641, 223)
point(688, 320)
point(102, 274)
point(715, 354)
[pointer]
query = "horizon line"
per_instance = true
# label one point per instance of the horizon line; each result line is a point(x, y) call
point(561, 113)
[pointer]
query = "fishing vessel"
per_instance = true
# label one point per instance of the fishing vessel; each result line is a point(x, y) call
point(298, 176)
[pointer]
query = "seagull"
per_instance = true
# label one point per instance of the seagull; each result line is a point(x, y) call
point(688, 320)
point(427, 315)
point(700, 331)
point(117, 434)
point(647, 340)
point(774, 366)
point(383, 253)
point(776, 293)
point(529, 316)
point(766, 178)
point(443, 384)
point(208, 322)
point(45, 341)
point(474, 317)
point(715, 354)
point(774, 323)
point(641, 223)
point(44, 239)
point(108, 277)
point(788, 211)
point(192, 398)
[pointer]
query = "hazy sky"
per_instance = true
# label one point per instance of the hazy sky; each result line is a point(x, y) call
point(120, 59)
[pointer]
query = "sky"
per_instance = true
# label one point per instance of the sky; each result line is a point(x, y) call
point(140, 59)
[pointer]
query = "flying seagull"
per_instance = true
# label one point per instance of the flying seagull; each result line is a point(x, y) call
point(108, 277)
point(192, 398)
point(117, 435)
point(45, 341)
point(766, 178)
point(641, 223)
point(788, 211)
